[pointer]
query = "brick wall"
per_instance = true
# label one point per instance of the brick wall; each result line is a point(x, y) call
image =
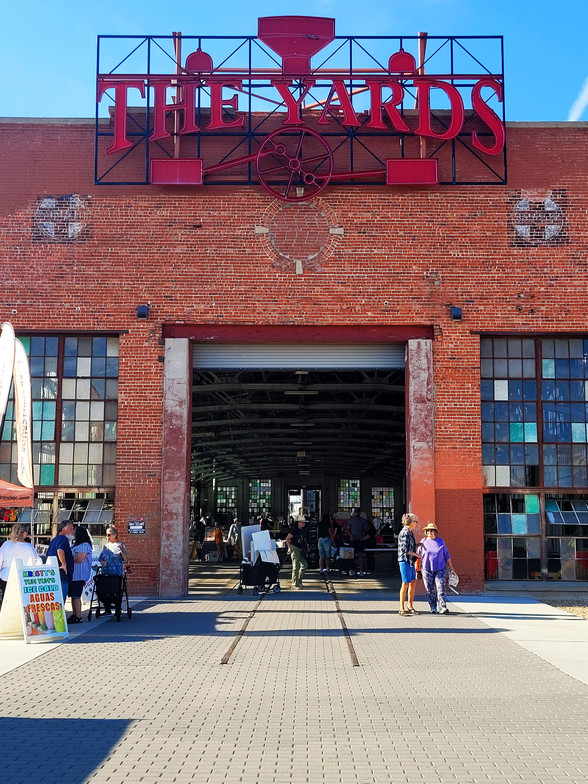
point(404, 255)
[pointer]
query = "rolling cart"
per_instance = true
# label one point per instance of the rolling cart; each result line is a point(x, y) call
point(345, 562)
point(262, 577)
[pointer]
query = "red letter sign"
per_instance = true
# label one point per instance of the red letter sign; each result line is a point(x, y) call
point(292, 104)
point(377, 105)
point(217, 102)
point(120, 111)
point(487, 115)
point(161, 108)
point(349, 116)
point(457, 111)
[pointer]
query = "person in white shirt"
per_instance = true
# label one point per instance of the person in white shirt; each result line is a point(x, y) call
point(15, 546)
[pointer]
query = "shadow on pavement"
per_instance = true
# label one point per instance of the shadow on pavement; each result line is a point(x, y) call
point(34, 748)
point(155, 622)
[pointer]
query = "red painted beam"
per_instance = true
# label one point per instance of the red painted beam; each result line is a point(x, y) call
point(251, 333)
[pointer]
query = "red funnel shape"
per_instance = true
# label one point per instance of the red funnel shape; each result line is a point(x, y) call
point(296, 39)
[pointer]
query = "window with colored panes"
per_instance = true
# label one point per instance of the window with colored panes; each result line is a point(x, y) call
point(348, 495)
point(74, 391)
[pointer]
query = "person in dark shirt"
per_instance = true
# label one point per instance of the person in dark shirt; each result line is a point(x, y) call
point(298, 547)
point(326, 542)
point(60, 547)
point(358, 527)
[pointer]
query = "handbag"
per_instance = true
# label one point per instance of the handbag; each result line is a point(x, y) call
point(453, 581)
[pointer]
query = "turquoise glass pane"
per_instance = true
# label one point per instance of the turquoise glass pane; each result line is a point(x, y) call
point(516, 431)
point(26, 341)
point(36, 430)
point(532, 504)
point(548, 368)
point(48, 430)
point(47, 475)
point(531, 432)
point(37, 409)
point(579, 431)
point(7, 431)
point(519, 524)
point(49, 409)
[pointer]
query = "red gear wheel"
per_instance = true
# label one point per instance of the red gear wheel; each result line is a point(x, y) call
point(294, 164)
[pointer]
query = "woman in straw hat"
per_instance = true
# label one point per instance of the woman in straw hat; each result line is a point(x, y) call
point(435, 559)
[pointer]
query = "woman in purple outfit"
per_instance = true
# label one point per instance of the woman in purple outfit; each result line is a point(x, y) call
point(435, 559)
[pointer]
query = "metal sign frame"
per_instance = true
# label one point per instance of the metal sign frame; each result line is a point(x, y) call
point(295, 128)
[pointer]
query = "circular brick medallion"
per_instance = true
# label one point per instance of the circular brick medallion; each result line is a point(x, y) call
point(299, 232)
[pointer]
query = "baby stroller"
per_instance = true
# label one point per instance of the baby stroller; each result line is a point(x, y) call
point(109, 591)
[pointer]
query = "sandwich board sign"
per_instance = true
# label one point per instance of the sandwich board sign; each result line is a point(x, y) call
point(33, 603)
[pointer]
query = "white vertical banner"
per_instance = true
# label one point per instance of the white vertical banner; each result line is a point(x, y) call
point(7, 341)
point(22, 415)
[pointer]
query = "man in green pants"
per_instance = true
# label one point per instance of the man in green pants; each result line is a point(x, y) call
point(298, 548)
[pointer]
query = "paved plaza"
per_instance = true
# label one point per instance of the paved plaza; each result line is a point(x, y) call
point(307, 686)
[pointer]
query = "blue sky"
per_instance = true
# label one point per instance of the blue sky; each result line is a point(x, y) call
point(48, 49)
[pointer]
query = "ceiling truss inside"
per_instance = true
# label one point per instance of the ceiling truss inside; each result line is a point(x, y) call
point(272, 423)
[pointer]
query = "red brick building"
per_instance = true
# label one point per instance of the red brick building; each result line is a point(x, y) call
point(422, 344)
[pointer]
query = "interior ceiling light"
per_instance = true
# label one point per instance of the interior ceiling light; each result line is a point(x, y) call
point(301, 372)
point(301, 424)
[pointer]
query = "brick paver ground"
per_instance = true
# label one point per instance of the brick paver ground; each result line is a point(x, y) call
point(434, 700)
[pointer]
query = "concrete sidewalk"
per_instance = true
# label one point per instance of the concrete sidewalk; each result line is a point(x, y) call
point(432, 700)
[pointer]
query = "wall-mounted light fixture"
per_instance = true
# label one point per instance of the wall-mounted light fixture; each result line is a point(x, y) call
point(142, 311)
point(455, 313)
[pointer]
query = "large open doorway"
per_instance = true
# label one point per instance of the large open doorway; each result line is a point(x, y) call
point(283, 431)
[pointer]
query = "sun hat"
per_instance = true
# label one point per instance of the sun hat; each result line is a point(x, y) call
point(430, 527)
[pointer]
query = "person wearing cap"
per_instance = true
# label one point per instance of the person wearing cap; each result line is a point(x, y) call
point(435, 559)
point(406, 560)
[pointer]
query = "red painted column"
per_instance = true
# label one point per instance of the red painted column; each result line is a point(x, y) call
point(175, 478)
point(420, 436)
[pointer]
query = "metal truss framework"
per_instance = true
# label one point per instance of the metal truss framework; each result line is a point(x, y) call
point(268, 423)
point(336, 152)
